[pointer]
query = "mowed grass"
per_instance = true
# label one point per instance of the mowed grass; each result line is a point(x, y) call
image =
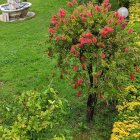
point(24, 65)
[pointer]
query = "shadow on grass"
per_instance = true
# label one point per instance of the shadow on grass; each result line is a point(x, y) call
point(100, 128)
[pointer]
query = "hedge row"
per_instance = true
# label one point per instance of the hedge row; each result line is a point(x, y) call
point(128, 125)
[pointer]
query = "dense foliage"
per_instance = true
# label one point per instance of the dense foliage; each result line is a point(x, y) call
point(39, 112)
point(124, 3)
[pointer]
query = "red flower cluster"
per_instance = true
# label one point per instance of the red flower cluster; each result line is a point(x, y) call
point(130, 31)
point(75, 68)
point(100, 45)
point(60, 38)
point(52, 30)
point(106, 30)
point(132, 77)
point(87, 39)
point(78, 83)
point(61, 13)
point(106, 2)
point(89, 14)
point(72, 17)
point(97, 8)
point(70, 4)
point(103, 56)
point(79, 92)
point(54, 20)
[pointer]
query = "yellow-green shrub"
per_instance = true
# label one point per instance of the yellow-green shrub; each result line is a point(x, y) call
point(40, 112)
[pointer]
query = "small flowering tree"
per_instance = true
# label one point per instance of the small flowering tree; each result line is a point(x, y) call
point(94, 49)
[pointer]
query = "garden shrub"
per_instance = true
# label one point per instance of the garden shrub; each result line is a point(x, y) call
point(39, 113)
point(128, 125)
point(95, 49)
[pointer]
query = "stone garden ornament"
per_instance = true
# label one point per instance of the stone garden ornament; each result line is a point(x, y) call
point(15, 10)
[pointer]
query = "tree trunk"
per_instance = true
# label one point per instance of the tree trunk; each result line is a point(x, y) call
point(92, 98)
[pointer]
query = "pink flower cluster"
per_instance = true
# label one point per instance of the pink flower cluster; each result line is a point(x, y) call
point(87, 39)
point(70, 4)
point(106, 30)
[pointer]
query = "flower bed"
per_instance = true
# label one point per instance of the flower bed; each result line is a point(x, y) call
point(128, 125)
point(134, 10)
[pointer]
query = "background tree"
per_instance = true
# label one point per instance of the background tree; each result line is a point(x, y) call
point(95, 49)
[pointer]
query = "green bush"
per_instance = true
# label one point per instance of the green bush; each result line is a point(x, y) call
point(39, 113)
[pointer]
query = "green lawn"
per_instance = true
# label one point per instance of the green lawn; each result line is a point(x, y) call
point(24, 65)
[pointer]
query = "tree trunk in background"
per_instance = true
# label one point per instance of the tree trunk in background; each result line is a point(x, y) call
point(100, 2)
point(92, 98)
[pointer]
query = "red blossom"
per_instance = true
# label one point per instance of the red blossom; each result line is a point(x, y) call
point(132, 77)
point(109, 29)
point(83, 57)
point(77, 54)
point(57, 38)
point(109, 7)
point(64, 38)
point(72, 50)
point(103, 56)
point(63, 20)
point(100, 45)
point(97, 8)
point(82, 41)
point(81, 14)
point(94, 39)
point(99, 73)
point(52, 30)
point(87, 40)
point(83, 65)
point(106, 30)
point(80, 81)
point(84, 18)
point(72, 17)
point(70, 4)
point(101, 97)
point(62, 13)
point(74, 1)
point(79, 92)
point(89, 14)
point(126, 49)
point(116, 14)
point(121, 18)
point(104, 33)
point(110, 21)
point(106, 2)
point(124, 26)
point(75, 68)
point(87, 35)
point(95, 80)
point(105, 10)
point(130, 31)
